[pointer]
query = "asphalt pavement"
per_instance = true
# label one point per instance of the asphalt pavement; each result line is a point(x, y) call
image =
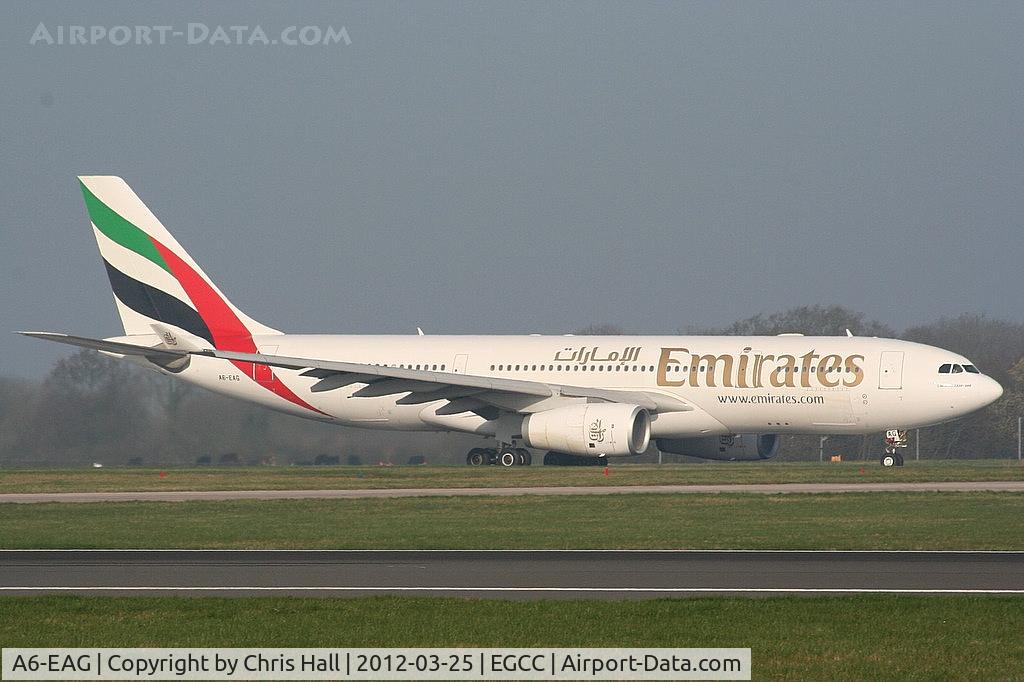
point(507, 574)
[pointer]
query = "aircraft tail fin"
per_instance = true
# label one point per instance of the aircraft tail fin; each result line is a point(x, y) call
point(154, 279)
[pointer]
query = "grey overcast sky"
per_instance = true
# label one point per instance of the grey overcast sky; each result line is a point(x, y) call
point(525, 167)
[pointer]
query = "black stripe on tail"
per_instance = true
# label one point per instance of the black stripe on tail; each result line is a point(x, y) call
point(156, 304)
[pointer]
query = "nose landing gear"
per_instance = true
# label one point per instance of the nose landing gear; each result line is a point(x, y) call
point(894, 440)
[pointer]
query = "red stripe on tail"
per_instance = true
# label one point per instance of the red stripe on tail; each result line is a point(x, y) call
point(228, 331)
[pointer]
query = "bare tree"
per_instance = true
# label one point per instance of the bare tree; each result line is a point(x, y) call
point(816, 320)
point(997, 347)
point(599, 330)
point(91, 407)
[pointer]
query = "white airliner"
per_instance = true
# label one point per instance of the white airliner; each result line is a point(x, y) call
point(717, 397)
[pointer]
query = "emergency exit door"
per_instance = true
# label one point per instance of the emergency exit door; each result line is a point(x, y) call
point(890, 369)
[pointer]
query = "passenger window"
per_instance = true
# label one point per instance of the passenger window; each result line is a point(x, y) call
point(957, 369)
point(944, 369)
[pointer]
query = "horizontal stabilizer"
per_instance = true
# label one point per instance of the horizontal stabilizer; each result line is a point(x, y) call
point(157, 353)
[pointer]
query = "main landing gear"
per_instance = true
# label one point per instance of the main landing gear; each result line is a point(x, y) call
point(506, 456)
point(894, 440)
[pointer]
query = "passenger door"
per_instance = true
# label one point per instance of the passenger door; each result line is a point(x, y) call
point(890, 369)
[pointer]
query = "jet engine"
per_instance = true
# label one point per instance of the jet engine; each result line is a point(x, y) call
point(735, 447)
point(590, 429)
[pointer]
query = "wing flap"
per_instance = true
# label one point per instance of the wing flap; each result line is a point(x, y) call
point(446, 393)
point(332, 381)
point(392, 386)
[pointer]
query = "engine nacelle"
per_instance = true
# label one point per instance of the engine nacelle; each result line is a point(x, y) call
point(590, 429)
point(737, 447)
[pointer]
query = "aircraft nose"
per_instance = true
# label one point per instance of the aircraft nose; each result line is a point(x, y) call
point(989, 391)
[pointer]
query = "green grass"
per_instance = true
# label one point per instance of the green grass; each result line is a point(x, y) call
point(289, 478)
point(792, 638)
point(826, 521)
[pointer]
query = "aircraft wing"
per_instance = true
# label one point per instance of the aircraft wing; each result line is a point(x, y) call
point(422, 386)
point(464, 392)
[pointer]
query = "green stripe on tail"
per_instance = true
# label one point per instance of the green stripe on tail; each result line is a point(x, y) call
point(120, 230)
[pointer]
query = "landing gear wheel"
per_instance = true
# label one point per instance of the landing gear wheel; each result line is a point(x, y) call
point(522, 456)
point(899, 460)
point(888, 460)
point(508, 458)
point(476, 457)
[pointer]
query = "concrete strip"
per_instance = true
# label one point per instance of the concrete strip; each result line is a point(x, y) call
point(757, 488)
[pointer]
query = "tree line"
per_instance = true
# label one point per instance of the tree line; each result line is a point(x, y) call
point(92, 408)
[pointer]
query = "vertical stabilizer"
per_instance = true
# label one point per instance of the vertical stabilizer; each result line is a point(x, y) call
point(154, 279)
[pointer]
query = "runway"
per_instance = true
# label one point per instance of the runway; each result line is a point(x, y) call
point(757, 488)
point(507, 574)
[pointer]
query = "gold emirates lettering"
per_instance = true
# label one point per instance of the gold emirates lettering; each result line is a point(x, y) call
point(754, 370)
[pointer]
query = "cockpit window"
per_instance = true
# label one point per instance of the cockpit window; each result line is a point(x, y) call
point(957, 369)
point(944, 369)
point(972, 369)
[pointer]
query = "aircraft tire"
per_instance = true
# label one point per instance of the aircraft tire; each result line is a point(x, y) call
point(888, 460)
point(522, 457)
point(508, 458)
point(477, 457)
point(899, 460)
